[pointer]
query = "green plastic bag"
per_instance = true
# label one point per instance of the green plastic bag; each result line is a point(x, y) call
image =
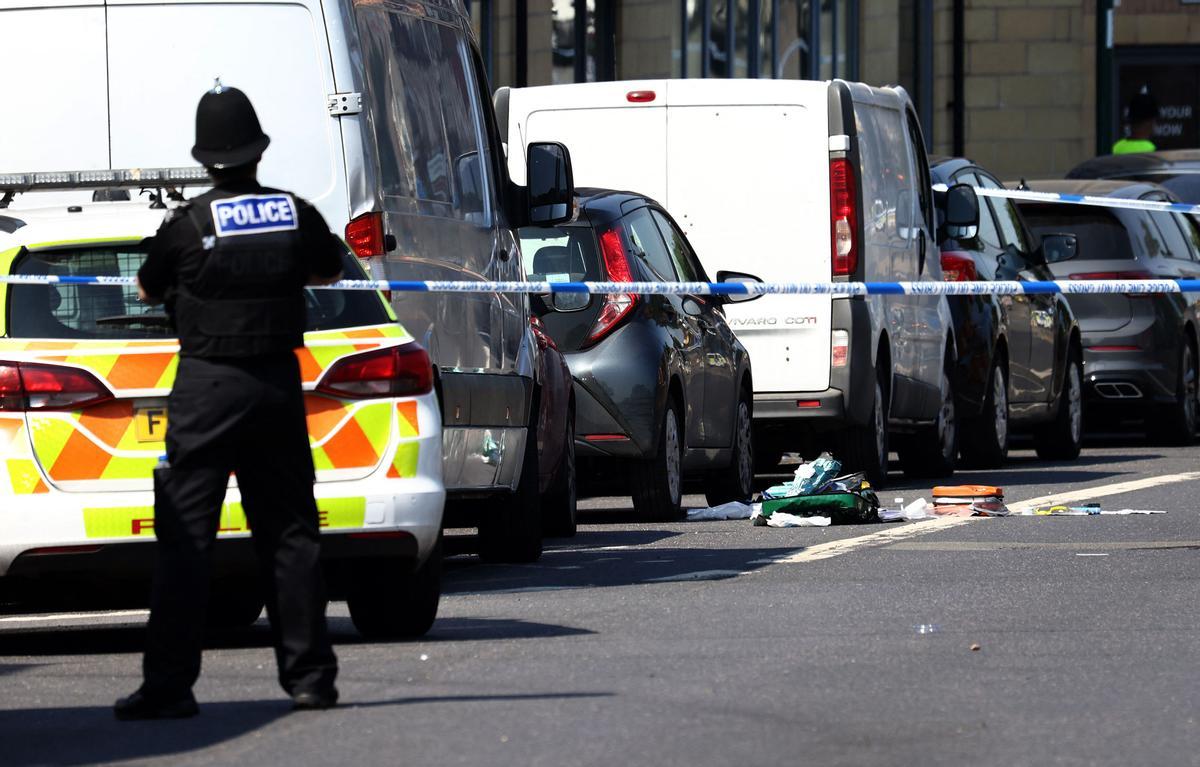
point(841, 508)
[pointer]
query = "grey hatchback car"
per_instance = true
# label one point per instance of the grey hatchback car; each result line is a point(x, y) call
point(1139, 351)
point(663, 390)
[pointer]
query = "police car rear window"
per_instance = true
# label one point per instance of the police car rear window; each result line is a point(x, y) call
point(113, 311)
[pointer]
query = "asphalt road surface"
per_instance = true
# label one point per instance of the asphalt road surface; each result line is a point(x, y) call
point(715, 643)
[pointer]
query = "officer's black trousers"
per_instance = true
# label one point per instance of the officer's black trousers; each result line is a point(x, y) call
point(244, 417)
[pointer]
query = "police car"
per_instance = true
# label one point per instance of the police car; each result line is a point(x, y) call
point(85, 370)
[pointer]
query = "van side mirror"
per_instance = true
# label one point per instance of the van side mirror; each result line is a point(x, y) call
point(960, 207)
point(551, 183)
point(1059, 247)
point(737, 298)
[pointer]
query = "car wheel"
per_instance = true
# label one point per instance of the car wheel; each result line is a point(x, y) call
point(388, 602)
point(1176, 423)
point(559, 504)
point(985, 439)
point(510, 527)
point(736, 481)
point(658, 482)
point(233, 606)
point(933, 451)
point(1062, 439)
point(865, 448)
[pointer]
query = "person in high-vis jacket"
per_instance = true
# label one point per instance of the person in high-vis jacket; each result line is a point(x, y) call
point(231, 266)
point(1141, 114)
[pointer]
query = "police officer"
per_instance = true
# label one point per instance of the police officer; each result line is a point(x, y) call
point(231, 266)
point(1141, 114)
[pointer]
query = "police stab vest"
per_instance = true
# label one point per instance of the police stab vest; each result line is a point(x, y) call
point(248, 297)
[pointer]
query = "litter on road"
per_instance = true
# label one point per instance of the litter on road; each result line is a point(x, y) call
point(731, 510)
point(969, 500)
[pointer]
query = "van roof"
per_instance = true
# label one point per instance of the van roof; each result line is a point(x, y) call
point(101, 221)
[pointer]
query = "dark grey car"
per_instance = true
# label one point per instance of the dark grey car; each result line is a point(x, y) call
point(1178, 170)
point(662, 385)
point(1139, 352)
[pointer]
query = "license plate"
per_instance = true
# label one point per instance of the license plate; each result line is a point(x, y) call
point(151, 424)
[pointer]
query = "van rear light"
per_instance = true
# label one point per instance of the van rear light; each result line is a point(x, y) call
point(398, 371)
point(616, 307)
point(839, 349)
point(33, 386)
point(640, 97)
point(843, 217)
point(364, 235)
point(958, 266)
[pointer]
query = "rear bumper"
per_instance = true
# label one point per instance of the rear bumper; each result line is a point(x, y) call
point(45, 535)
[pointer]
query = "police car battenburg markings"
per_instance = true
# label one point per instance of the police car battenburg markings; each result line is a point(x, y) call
point(254, 214)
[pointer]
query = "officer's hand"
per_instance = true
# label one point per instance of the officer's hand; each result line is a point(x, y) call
point(145, 297)
point(315, 280)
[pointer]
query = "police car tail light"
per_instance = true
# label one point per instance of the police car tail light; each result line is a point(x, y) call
point(364, 235)
point(843, 217)
point(398, 371)
point(616, 306)
point(958, 267)
point(31, 386)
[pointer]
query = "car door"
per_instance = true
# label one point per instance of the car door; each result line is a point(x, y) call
point(1035, 316)
point(649, 246)
point(719, 371)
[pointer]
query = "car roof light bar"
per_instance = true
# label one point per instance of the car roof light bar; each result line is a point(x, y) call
point(128, 178)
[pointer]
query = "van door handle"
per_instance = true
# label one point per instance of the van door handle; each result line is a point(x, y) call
point(921, 252)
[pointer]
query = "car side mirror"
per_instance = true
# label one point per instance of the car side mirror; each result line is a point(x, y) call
point(1057, 248)
point(962, 212)
point(738, 277)
point(551, 183)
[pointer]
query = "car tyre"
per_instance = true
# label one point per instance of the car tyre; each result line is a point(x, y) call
point(658, 482)
point(933, 451)
point(1062, 439)
point(1176, 423)
point(865, 448)
point(390, 602)
point(736, 481)
point(510, 528)
point(985, 439)
point(559, 503)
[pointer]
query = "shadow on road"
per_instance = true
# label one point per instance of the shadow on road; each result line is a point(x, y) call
point(79, 735)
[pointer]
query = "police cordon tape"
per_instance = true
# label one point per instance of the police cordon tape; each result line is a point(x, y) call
point(1027, 195)
point(1004, 288)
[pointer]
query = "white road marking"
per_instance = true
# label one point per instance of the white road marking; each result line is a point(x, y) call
point(74, 616)
point(1093, 554)
point(885, 537)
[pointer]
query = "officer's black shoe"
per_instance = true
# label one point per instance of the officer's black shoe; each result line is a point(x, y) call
point(142, 706)
point(312, 700)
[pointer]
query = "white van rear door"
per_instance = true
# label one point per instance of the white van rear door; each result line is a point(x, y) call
point(55, 80)
point(614, 143)
point(277, 53)
point(749, 184)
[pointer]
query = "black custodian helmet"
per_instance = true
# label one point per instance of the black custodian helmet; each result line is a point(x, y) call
point(228, 133)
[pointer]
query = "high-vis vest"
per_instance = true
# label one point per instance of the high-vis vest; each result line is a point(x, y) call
point(248, 298)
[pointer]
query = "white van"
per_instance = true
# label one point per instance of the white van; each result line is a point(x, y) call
point(378, 113)
point(788, 181)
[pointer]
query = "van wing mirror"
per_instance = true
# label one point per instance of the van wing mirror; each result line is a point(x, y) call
point(1059, 247)
point(962, 212)
point(742, 277)
point(551, 183)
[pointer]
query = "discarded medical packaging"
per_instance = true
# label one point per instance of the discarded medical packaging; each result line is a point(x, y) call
point(969, 500)
point(731, 510)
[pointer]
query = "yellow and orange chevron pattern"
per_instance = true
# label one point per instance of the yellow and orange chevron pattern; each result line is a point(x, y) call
point(349, 438)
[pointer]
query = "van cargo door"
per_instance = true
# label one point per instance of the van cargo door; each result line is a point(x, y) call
point(614, 144)
point(277, 53)
point(749, 184)
point(56, 71)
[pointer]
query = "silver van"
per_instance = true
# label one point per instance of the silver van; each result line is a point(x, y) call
point(379, 113)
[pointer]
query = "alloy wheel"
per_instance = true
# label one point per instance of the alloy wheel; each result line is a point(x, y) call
point(1000, 401)
point(1075, 402)
point(1190, 387)
point(745, 459)
point(674, 461)
point(947, 422)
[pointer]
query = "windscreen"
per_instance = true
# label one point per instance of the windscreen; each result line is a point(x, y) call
point(1186, 186)
point(114, 311)
point(1101, 236)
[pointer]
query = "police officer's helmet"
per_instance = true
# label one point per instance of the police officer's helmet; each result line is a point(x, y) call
point(1142, 106)
point(228, 133)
